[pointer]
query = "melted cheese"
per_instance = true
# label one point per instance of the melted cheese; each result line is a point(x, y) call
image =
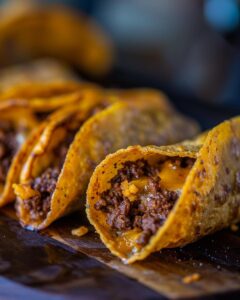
point(127, 240)
point(172, 176)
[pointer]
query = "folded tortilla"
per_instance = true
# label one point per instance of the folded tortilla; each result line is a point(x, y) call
point(144, 199)
point(54, 31)
point(45, 194)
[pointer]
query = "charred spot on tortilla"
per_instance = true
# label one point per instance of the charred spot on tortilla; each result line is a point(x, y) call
point(141, 196)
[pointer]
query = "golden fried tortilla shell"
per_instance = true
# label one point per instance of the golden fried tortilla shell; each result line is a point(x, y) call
point(209, 200)
point(41, 155)
point(55, 32)
point(47, 97)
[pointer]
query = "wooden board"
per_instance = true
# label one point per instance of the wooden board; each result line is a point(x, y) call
point(37, 267)
point(216, 258)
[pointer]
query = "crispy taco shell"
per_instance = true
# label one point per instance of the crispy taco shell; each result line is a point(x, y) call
point(46, 96)
point(121, 124)
point(57, 32)
point(13, 132)
point(143, 199)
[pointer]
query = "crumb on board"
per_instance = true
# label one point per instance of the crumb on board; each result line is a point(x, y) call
point(80, 231)
point(234, 227)
point(191, 278)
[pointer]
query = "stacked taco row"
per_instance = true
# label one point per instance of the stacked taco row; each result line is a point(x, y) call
point(55, 137)
point(66, 129)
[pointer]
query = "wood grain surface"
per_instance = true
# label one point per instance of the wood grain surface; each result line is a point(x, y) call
point(216, 258)
point(37, 267)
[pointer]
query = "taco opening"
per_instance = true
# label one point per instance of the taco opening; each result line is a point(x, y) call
point(37, 193)
point(141, 196)
point(10, 141)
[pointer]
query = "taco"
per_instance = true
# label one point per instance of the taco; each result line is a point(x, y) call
point(54, 31)
point(143, 199)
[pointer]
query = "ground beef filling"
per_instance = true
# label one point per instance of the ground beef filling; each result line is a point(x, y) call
point(45, 184)
point(39, 205)
point(8, 148)
point(149, 210)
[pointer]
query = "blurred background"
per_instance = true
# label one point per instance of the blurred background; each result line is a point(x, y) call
point(190, 49)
